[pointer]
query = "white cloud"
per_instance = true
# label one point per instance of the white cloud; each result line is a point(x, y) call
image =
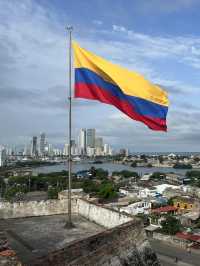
point(98, 22)
point(119, 28)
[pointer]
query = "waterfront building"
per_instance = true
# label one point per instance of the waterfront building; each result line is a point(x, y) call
point(50, 150)
point(99, 142)
point(90, 137)
point(90, 151)
point(2, 156)
point(106, 149)
point(122, 152)
point(34, 147)
point(27, 150)
point(66, 149)
point(42, 144)
point(82, 141)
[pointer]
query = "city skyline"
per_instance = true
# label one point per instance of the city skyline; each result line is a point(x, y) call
point(86, 143)
point(34, 54)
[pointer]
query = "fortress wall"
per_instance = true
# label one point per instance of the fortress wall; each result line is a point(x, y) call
point(122, 245)
point(103, 216)
point(33, 208)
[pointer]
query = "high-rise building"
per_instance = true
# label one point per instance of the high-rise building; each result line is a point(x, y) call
point(66, 149)
point(106, 149)
point(99, 143)
point(34, 147)
point(82, 141)
point(27, 150)
point(42, 144)
point(90, 139)
point(2, 156)
point(50, 149)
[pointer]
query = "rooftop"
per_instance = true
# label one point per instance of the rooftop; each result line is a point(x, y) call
point(36, 236)
point(164, 209)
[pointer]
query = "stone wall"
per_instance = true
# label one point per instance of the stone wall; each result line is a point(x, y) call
point(122, 245)
point(108, 218)
point(103, 216)
point(33, 208)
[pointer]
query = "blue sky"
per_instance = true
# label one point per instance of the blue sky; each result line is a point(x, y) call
point(159, 39)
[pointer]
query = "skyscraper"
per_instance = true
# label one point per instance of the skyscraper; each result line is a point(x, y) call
point(82, 141)
point(90, 139)
point(2, 156)
point(98, 142)
point(42, 144)
point(34, 147)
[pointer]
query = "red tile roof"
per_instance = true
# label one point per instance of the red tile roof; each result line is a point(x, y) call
point(187, 236)
point(168, 208)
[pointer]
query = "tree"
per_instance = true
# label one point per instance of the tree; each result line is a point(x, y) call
point(134, 164)
point(126, 174)
point(101, 173)
point(182, 166)
point(90, 186)
point(171, 225)
point(158, 175)
point(170, 202)
point(107, 191)
point(52, 193)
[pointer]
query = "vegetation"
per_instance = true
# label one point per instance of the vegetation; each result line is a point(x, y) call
point(107, 191)
point(134, 164)
point(171, 225)
point(99, 173)
point(194, 177)
point(53, 192)
point(170, 202)
point(182, 166)
point(193, 174)
point(158, 175)
point(126, 174)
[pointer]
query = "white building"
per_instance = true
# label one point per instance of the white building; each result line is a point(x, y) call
point(147, 192)
point(2, 156)
point(140, 207)
point(161, 188)
point(82, 141)
point(90, 151)
point(145, 177)
point(66, 149)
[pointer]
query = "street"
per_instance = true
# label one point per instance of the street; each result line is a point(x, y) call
point(167, 254)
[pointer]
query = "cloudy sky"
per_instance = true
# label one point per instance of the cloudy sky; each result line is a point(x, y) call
point(160, 39)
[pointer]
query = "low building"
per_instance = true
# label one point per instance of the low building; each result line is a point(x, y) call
point(177, 179)
point(146, 177)
point(76, 193)
point(132, 193)
point(189, 219)
point(183, 204)
point(188, 239)
point(159, 214)
point(147, 192)
point(140, 207)
point(161, 188)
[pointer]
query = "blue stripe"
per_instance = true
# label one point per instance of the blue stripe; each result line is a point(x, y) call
point(141, 106)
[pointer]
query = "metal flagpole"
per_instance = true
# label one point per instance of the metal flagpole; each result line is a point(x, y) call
point(69, 223)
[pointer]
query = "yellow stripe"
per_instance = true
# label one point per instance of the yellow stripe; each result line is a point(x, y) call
point(130, 83)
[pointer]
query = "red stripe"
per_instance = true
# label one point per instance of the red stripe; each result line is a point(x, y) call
point(93, 92)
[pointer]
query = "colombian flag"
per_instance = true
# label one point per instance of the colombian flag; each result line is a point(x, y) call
point(98, 79)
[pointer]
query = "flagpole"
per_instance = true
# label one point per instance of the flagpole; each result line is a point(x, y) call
point(69, 223)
